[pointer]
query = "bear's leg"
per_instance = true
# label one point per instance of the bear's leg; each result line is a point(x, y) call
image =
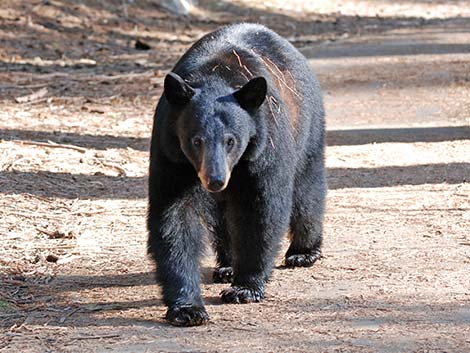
point(258, 217)
point(306, 223)
point(175, 243)
point(223, 272)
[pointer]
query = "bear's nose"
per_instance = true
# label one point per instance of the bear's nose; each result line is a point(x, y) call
point(216, 183)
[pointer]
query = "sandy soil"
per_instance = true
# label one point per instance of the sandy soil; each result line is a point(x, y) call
point(76, 103)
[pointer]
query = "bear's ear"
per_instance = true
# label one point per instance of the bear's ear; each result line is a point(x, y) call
point(252, 94)
point(177, 92)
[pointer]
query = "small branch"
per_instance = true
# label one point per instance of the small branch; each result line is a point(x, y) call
point(33, 97)
point(51, 145)
point(18, 86)
point(50, 234)
point(57, 234)
point(121, 170)
point(95, 337)
point(73, 312)
point(82, 77)
point(11, 315)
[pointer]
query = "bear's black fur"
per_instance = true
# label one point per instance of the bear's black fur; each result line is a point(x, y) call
point(236, 153)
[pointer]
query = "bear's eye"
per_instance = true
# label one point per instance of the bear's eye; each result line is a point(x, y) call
point(197, 142)
point(230, 142)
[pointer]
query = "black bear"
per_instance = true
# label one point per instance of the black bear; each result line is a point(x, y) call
point(237, 154)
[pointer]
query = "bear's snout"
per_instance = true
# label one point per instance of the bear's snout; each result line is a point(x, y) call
point(214, 172)
point(216, 183)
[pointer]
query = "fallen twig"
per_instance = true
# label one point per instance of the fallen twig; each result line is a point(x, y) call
point(2, 316)
point(73, 312)
point(52, 145)
point(33, 97)
point(57, 234)
point(95, 337)
point(84, 77)
point(23, 86)
point(121, 170)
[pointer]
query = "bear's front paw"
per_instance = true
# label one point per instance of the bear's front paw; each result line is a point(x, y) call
point(223, 275)
point(241, 295)
point(302, 260)
point(187, 315)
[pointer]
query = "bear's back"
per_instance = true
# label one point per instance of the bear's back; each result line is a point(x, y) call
point(237, 53)
point(243, 44)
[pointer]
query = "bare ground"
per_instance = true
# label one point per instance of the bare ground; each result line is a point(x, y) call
point(76, 101)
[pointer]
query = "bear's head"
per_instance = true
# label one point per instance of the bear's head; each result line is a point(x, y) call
point(214, 124)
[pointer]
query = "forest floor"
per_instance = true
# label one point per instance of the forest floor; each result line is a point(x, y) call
point(78, 85)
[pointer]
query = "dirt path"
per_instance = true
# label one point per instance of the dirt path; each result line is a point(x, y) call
point(74, 276)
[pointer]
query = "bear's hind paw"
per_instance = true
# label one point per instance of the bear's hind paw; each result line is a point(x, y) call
point(241, 295)
point(223, 275)
point(302, 260)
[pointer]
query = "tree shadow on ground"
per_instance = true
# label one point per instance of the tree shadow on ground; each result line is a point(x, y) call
point(71, 186)
point(105, 45)
point(290, 24)
point(385, 49)
point(334, 137)
point(439, 173)
point(57, 310)
point(56, 304)
point(403, 135)
point(81, 186)
point(98, 142)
